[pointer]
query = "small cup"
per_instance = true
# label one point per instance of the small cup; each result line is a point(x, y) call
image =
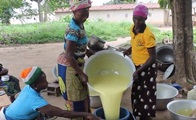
point(5, 78)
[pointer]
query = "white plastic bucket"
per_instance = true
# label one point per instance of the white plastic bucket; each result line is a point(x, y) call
point(107, 60)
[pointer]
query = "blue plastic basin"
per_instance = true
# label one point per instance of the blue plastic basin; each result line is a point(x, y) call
point(124, 114)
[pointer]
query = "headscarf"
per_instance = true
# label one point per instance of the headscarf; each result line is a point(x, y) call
point(80, 4)
point(141, 10)
point(30, 75)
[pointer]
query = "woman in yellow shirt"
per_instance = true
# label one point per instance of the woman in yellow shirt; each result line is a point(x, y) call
point(143, 54)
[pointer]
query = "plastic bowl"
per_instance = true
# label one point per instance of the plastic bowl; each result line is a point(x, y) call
point(108, 60)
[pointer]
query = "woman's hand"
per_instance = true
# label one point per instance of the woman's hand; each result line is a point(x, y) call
point(89, 52)
point(127, 52)
point(83, 77)
point(92, 117)
point(56, 111)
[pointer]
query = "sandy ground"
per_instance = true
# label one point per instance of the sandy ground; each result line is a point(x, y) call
point(16, 58)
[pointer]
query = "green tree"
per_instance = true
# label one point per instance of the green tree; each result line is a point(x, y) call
point(120, 2)
point(46, 7)
point(7, 9)
point(185, 55)
point(164, 3)
point(184, 52)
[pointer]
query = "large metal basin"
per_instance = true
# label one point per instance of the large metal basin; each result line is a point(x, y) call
point(165, 94)
point(175, 106)
point(95, 102)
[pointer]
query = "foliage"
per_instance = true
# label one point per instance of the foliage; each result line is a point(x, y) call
point(10, 3)
point(120, 1)
point(6, 15)
point(194, 35)
point(7, 9)
point(32, 33)
point(67, 18)
point(108, 31)
point(49, 6)
point(160, 35)
point(165, 3)
point(55, 4)
point(25, 10)
point(54, 31)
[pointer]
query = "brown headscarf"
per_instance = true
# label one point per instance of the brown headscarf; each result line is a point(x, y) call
point(79, 4)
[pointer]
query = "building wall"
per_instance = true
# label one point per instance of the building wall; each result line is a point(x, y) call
point(113, 16)
point(156, 16)
point(194, 12)
point(194, 7)
point(30, 19)
point(26, 20)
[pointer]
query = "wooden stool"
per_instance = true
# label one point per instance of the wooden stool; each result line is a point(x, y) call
point(53, 88)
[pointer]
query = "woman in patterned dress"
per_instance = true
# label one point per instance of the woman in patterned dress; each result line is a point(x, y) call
point(10, 85)
point(143, 54)
point(72, 79)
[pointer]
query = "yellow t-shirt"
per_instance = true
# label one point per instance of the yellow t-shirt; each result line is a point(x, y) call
point(140, 43)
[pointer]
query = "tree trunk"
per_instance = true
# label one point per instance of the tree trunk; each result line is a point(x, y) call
point(189, 49)
point(46, 11)
point(179, 47)
point(184, 55)
point(40, 10)
point(173, 23)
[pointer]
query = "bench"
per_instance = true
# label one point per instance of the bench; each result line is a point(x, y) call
point(53, 89)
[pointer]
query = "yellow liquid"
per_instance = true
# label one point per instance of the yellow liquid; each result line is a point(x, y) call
point(185, 112)
point(110, 88)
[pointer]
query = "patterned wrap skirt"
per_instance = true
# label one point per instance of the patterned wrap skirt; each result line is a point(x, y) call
point(143, 95)
point(73, 91)
point(11, 87)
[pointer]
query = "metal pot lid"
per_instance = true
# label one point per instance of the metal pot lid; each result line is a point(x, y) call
point(169, 71)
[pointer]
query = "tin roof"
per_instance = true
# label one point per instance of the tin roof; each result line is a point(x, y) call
point(114, 7)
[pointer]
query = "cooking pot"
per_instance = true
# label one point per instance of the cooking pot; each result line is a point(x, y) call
point(5, 78)
point(95, 43)
point(165, 57)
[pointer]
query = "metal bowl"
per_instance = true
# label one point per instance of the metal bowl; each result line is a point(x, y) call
point(165, 94)
point(165, 57)
point(169, 72)
point(95, 102)
point(174, 107)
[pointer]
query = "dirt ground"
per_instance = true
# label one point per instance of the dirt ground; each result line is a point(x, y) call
point(16, 58)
